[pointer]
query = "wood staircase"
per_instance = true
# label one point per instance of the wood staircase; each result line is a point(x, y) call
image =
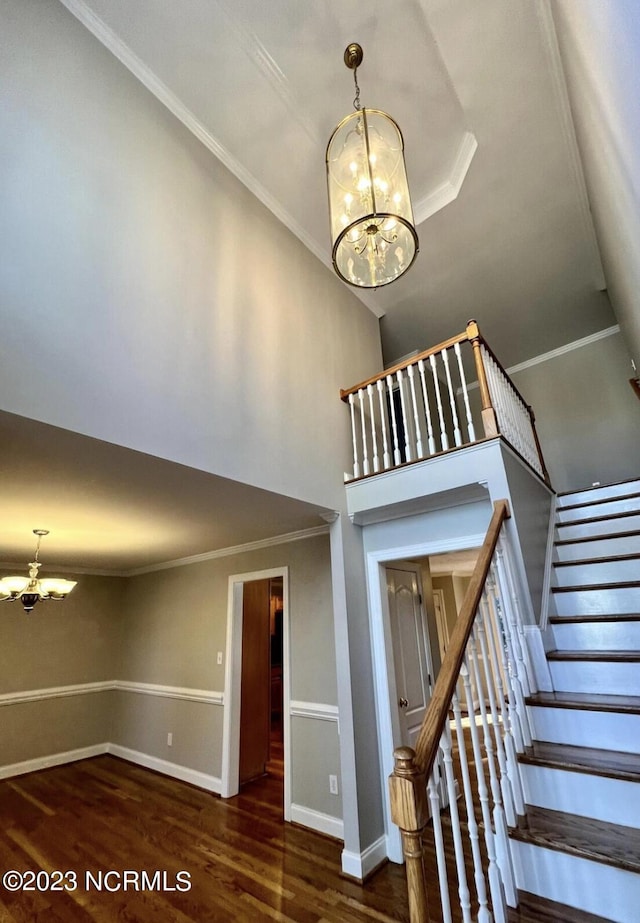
point(576, 851)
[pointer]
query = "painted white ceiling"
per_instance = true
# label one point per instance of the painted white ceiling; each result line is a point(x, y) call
point(504, 223)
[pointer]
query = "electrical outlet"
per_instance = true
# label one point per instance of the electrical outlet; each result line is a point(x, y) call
point(333, 785)
point(219, 658)
point(169, 739)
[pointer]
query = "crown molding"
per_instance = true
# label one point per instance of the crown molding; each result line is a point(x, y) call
point(232, 549)
point(448, 191)
point(107, 37)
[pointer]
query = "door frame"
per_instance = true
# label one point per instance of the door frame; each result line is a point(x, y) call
point(230, 773)
point(389, 735)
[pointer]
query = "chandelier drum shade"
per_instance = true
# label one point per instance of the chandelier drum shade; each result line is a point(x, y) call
point(372, 229)
point(29, 590)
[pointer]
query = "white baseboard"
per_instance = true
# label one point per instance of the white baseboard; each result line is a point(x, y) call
point(175, 770)
point(359, 865)
point(52, 759)
point(323, 823)
point(535, 645)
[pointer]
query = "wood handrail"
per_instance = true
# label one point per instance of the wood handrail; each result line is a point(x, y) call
point(431, 731)
point(459, 338)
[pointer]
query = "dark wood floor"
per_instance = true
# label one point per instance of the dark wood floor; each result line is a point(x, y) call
point(245, 863)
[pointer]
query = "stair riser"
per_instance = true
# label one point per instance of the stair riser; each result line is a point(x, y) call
point(583, 728)
point(602, 678)
point(608, 508)
point(598, 548)
point(605, 572)
point(599, 527)
point(616, 801)
point(598, 602)
point(609, 892)
point(600, 493)
point(598, 636)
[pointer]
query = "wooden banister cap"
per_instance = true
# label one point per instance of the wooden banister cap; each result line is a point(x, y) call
point(404, 761)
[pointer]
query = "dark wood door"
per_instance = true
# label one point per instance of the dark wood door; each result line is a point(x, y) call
point(256, 680)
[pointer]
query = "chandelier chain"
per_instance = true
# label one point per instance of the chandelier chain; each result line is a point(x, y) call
point(356, 101)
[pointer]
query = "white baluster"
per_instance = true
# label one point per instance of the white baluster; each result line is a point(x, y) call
point(405, 418)
point(503, 851)
point(444, 439)
point(478, 874)
point(510, 596)
point(513, 772)
point(394, 426)
point(416, 418)
point(465, 394)
point(515, 665)
point(365, 451)
point(356, 462)
point(458, 848)
point(441, 856)
point(495, 883)
point(427, 407)
point(505, 784)
point(452, 400)
point(386, 458)
point(374, 437)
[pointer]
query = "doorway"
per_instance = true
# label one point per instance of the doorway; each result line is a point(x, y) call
point(256, 700)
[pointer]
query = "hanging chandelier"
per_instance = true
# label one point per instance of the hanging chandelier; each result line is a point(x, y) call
point(31, 589)
point(372, 230)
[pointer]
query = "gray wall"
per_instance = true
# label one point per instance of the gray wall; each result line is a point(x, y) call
point(587, 417)
point(187, 321)
point(59, 644)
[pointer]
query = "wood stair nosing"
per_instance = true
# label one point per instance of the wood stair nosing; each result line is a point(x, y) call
point(587, 701)
point(630, 556)
point(597, 840)
point(534, 909)
point(589, 587)
point(611, 764)
point(583, 490)
point(601, 656)
point(621, 497)
point(591, 519)
point(604, 617)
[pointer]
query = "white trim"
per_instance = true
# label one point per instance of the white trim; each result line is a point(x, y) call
point(175, 770)
point(209, 697)
point(313, 710)
point(323, 823)
point(539, 662)
point(54, 692)
point(382, 653)
point(233, 678)
point(359, 865)
point(53, 759)
point(449, 190)
point(301, 535)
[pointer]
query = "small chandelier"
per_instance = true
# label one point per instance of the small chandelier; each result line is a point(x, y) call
point(372, 230)
point(30, 589)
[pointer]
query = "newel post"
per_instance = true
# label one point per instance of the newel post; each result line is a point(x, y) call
point(489, 421)
point(409, 811)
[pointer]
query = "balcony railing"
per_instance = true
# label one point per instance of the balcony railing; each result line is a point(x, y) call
point(422, 407)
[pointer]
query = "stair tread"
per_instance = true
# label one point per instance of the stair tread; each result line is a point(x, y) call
point(587, 701)
point(603, 536)
point(534, 909)
point(608, 516)
point(610, 559)
point(598, 840)
point(575, 506)
point(583, 490)
point(605, 656)
point(613, 764)
point(598, 617)
point(613, 585)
